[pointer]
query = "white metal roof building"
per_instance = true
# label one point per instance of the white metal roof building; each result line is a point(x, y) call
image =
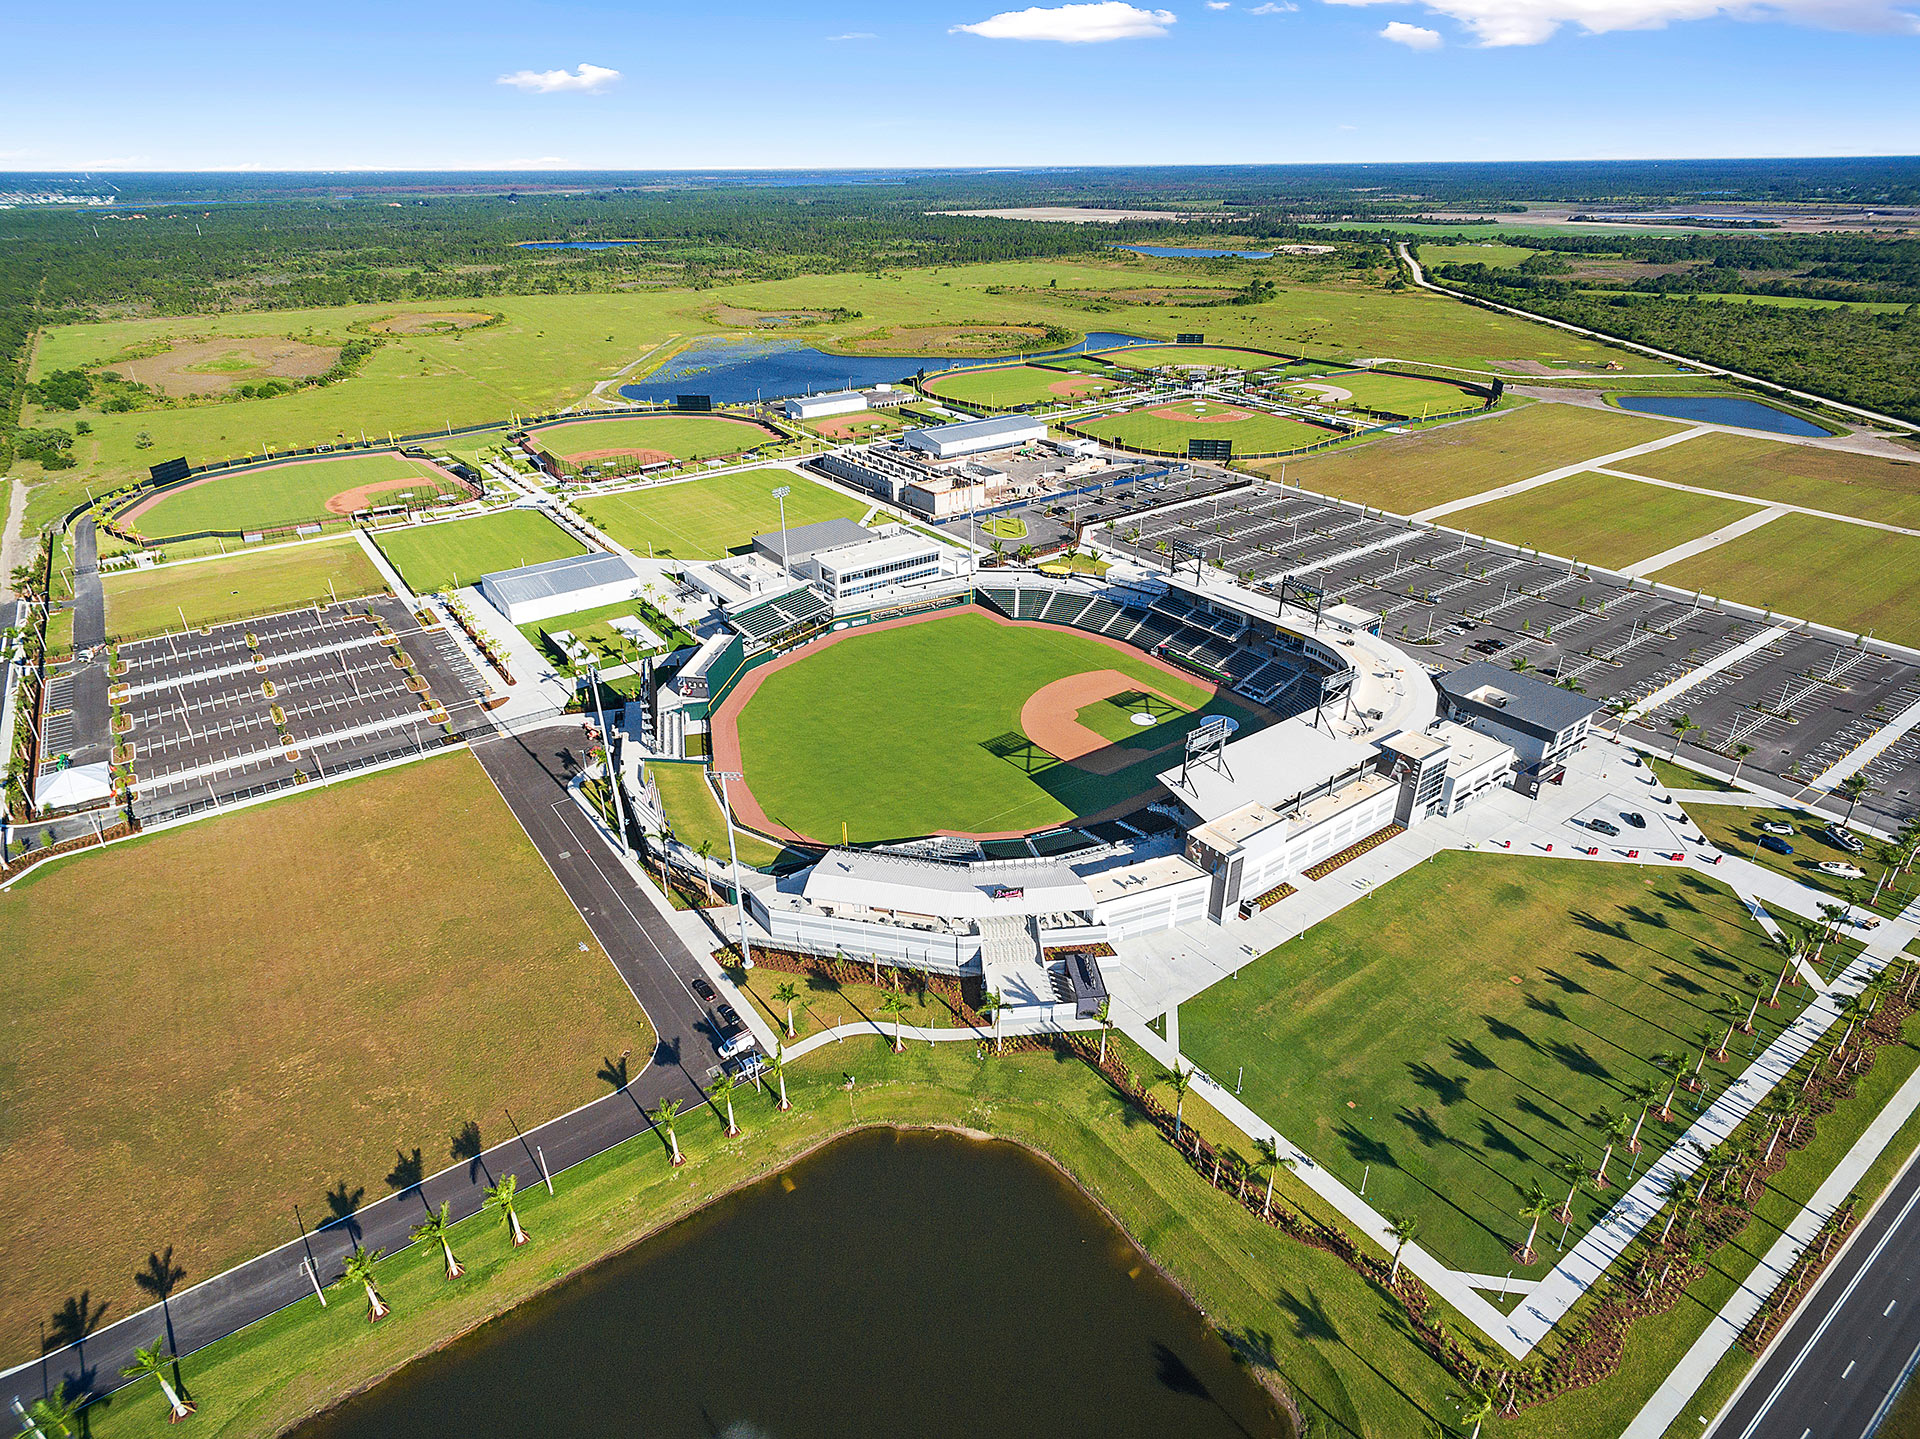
point(560, 587)
point(877, 564)
point(814, 407)
point(970, 437)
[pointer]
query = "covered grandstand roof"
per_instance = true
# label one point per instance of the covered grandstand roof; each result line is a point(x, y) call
point(558, 577)
point(1270, 766)
point(914, 886)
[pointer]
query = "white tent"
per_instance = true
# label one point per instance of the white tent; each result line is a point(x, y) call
point(68, 788)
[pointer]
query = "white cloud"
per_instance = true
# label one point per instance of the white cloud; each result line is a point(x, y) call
point(586, 80)
point(1219, 4)
point(1529, 22)
point(1414, 37)
point(1286, 7)
point(1073, 24)
point(855, 35)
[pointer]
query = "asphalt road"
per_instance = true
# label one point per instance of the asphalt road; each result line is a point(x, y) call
point(529, 772)
point(1835, 1371)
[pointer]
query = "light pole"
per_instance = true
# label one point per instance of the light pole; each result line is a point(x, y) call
point(733, 858)
point(613, 773)
point(780, 493)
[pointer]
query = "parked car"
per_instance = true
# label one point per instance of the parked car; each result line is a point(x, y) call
point(1638, 821)
point(1840, 869)
point(1601, 826)
point(729, 1017)
point(1843, 839)
point(704, 990)
point(1776, 844)
point(1774, 826)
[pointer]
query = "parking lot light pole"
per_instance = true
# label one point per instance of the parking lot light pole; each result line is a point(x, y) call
point(606, 743)
point(780, 493)
point(733, 858)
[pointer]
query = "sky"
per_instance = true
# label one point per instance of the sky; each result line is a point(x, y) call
point(578, 84)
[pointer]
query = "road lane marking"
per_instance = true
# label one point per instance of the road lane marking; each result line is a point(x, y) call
point(1889, 1309)
point(1849, 1369)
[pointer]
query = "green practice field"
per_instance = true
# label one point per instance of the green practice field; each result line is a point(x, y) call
point(1848, 576)
point(240, 586)
point(1394, 394)
point(704, 519)
point(1150, 357)
point(1020, 385)
point(1168, 428)
point(289, 493)
point(665, 437)
point(911, 730)
point(448, 556)
point(254, 1073)
point(1602, 519)
point(1871, 487)
point(1459, 1029)
point(1407, 473)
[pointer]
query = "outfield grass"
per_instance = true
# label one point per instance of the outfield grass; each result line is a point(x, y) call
point(1004, 387)
point(706, 518)
point(458, 552)
point(289, 493)
point(695, 814)
point(1601, 519)
point(1408, 473)
point(1848, 576)
point(684, 437)
point(144, 602)
point(269, 1006)
point(1455, 1031)
point(1169, 427)
point(1149, 357)
point(1870, 486)
point(1395, 394)
point(853, 731)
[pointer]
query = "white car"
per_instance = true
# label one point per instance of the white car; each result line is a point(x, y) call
point(1774, 826)
point(1840, 870)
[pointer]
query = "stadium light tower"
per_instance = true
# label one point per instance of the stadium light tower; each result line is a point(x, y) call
point(606, 743)
point(733, 858)
point(780, 493)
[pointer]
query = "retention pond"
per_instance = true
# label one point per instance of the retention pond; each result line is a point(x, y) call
point(1722, 410)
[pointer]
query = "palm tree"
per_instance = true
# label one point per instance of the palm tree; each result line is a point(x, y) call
point(1642, 1092)
point(1682, 727)
point(1180, 1080)
point(1477, 1405)
point(779, 1067)
point(706, 875)
point(501, 1197)
point(1740, 753)
point(359, 1275)
point(1572, 682)
point(786, 994)
point(664, 1116)
point(1536, 1206)
point(1403, 1228)
point(1615, 1128)
point(157, 1361)
point(1855, 787)
point(437, 1228)
point(1521, 664)
point(1266, 1153)
point(894, 1005)
point(55, 1414)
point(1105, 1015)
point(721, 1092)
point(991, 1005)
point(1675, 1064)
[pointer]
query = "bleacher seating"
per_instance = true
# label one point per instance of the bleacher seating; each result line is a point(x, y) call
point(770, 621)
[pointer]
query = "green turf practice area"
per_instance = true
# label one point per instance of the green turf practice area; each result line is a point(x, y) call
point(1167, 428)
point(1872, 487)
point(1005, 387)
point(458, 552)
point(695, 814)
point(706, 518)
point(1219, 357)
point(660, 437)
point(592, 628)
point(206, 592)
point(286, 494)
point(1407, 473)
point(905, 731)
point(1602, 519)
point(1387, 394)
point(1454, 1035)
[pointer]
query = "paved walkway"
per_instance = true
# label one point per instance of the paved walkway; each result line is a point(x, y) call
point(1745, 525)
point(1520, 487)
point(1780, 505)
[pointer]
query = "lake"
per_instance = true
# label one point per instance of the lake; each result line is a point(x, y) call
point(1181, 252)
point(892, 1284)
point(734, 370)
point(1721, 410)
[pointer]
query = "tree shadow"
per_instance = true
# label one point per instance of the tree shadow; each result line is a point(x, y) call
point(1565, 983)
point(1365, 1149)
point(1309, 1316)
point(73, 1322)
point(343, 1204)
point(1469, 1053)
point(1549, 1007)
point(407, 1172)
point(1424, 1128)
point(1577, 1058)
point(468, 1145)
point(1496, 1140)
point(1448, 1089)
point(1500, 1029)
point(160, 1277)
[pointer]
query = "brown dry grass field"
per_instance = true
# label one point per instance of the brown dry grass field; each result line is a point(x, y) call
point(213, 1024)
point(424, 323)
point(1407, 473)
point(213, 367)
point(1868, 486)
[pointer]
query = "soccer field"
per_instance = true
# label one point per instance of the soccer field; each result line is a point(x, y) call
point(912, 729)
point(288, 493)
point(278, 1003)
point(1012, 385)
point(1168, 428)
point(448, 556)
point(206, 592)
point(704, 519)
point(664, 437)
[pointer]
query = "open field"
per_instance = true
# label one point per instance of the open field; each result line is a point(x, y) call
point(287, 493)
point(458, 552)
point(1394, 394)
point(1603, 520)
point(1847, 576)
point(1490, 253)
point(1169, 427)
point(1152, 357)
point(214, 367)
point(703, 519)
point(276, 1002)
point(1019, 385)
point(1868, 486)
point(909, 729)
point(1458, 1030)
point(1407, 473)
point(145, 602)
point(695, 814)
point(658, 437)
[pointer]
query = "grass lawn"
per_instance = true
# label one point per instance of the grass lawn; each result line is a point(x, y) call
point(1005, 387)
point(683, 437)
point(931, 714)
point(308, 1009)
point(1395, 394)
point(1869, 486)
point(1678, 776)
point(1150, 357)
point(591, 626)
point(286, 494)
point(1847, 576)
point(1168, 428)
point(144, 602)
point(1490, 254)
point(458, 552)
point(825, 1004)
point(704, 519)
point(1457, 1030)
point(695, 814)
point(1601, 519)
point(1408, 473)
point(1736, 830)
point(1074, 564)
point(1005, 527)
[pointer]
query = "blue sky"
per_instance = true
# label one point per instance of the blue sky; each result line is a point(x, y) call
point(747, 83)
